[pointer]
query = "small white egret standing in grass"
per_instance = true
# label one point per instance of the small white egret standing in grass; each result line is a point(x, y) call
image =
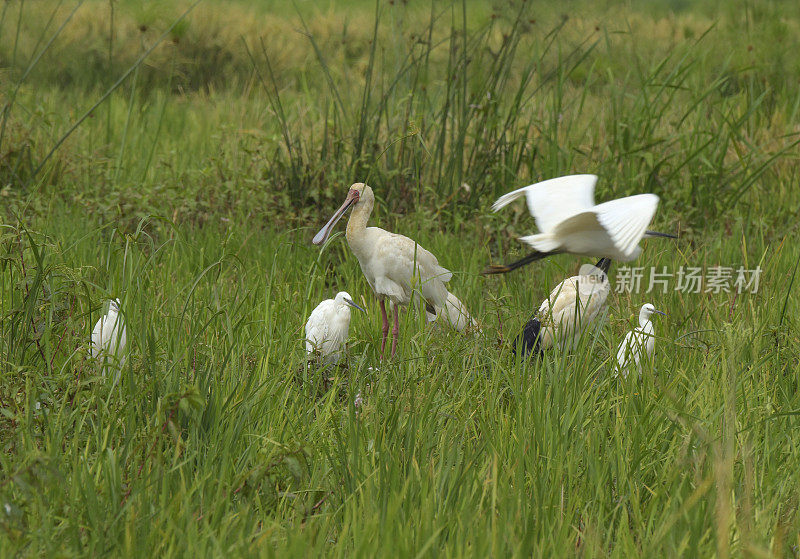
point(455, 315)
point(395, 266)
point(568, 311)
point(328, 326)
point(109, 336)
point(639, 342)
point(569, 221)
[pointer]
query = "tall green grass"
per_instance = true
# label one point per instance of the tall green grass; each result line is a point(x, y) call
point(420, 104)
point(192, 188)
point(217, 441)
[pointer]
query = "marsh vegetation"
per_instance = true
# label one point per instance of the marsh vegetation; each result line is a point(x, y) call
point(180, 157)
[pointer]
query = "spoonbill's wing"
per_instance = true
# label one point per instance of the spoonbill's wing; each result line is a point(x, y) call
point(401, 259)
point(626, 219)
point(554, 200)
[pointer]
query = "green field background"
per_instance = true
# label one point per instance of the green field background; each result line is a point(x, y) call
point(181, 157)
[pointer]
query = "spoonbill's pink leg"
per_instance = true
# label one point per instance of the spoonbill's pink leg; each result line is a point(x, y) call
point(384, 327)
point(395, 328)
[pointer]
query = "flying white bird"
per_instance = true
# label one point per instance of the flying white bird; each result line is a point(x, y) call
point(569, 310)
point(109, 337)
point(638, 343)
point(395, 266)
point(328, 326)
point(455, 315)
point(569, 221)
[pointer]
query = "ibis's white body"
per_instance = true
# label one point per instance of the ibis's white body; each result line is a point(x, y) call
point(109, 337)
point(638, 344)
point(455, 315)
point(570, 221)
point(327, 329)
point(394, 265)
point(572, 307)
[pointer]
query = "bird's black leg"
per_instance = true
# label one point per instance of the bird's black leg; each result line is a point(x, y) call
point(504, 269)
point(657, 234)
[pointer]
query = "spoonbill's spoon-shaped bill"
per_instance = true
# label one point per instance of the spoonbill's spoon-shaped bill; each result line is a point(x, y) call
point(322, 235)
point(571, 308)
point(569, 221)
point(395, 266)
point(109, 336)
point(638, 343)
point(328, 326)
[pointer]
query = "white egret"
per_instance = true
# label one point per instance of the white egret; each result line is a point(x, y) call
point(638, 343)
point(568, 311)
point(569, 221)
point(109, 337)
point(328, 326)
point(395, 266)
point(455, 315)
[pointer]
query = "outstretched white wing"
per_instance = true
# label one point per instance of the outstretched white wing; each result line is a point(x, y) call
point(554, 200)
point(626, 219)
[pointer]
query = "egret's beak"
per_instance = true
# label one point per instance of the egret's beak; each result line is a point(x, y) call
point(657, 234)
point(352, 304)
point(661, 313)
point(325, 232)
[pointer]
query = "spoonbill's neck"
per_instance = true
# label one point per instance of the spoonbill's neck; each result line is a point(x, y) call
point(357, 224)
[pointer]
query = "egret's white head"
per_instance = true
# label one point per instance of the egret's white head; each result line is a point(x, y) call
point(343, 298)
point(647, 311)
point(357, 191)
point(113, 305)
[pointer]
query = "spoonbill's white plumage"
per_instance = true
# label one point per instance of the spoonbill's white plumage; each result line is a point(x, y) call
point(569, 221)
point(455, 315)
point(395, 266)
point(109, 336)
point(638, 343)
point(328, 326)
point(569, 310)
